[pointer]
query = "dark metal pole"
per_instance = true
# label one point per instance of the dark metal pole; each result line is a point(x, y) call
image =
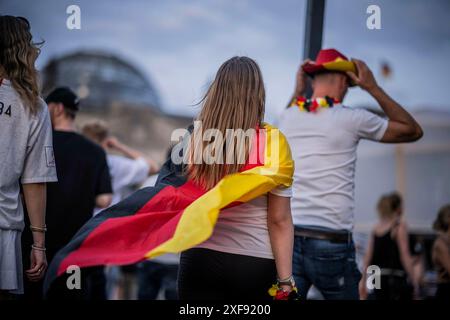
point(313, 31)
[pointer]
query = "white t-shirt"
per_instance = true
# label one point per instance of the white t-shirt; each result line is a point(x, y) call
point(243, 229)
point(125, 174)
point(323, 146)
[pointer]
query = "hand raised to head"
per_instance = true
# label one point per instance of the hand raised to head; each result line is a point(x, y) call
point(364, 77)
point(301, 79)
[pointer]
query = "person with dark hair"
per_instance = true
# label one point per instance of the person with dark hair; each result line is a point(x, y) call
point(84, 182)
point(388, 249)
point(441, 253)
point(26, 154)
point(76, 193)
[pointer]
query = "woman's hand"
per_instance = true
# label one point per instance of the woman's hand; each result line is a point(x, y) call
point(35, 199)
point(38, 265)
point(286, 288)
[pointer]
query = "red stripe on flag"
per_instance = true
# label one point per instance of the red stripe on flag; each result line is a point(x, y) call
point(125, 240)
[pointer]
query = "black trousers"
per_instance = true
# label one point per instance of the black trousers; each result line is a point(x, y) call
point(393, 288)
point(443, 292)
point(206, 274)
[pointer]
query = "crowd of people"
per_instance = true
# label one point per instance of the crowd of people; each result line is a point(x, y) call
point(294, 229)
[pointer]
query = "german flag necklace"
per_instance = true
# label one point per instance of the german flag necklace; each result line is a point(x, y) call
point(312, 105)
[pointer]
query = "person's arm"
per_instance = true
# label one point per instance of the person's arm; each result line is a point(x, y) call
point(38, 169)
point(405, 256)
point(402, 127)
point(301, 80)
point(441, 254)
point(35, 200)
point(115, 144)
point(367, 258)
point(103, 189)
point(281, 233)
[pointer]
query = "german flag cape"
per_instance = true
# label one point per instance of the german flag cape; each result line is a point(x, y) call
point(175, 215)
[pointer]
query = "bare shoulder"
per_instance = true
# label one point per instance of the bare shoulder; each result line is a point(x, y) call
point(378, 228)
point(401, 227)
point(402, 224)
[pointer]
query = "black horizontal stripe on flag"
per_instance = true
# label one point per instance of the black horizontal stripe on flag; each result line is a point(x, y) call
point(169, 175)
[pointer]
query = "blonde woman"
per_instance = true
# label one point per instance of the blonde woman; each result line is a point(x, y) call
point(389, 250)
point(441, 253)
point(26, 155)
point(252, 243)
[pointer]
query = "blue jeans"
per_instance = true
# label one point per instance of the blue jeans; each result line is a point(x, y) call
point(329, 266)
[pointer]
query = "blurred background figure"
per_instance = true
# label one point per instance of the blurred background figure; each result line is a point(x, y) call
point(83, 183)
point(441, 253)
point(388, 249)
point(157, 278)
point(386, 70)
point(129, 169)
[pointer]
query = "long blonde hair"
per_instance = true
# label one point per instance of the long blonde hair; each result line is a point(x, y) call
point(234, 100)
point(17, 57)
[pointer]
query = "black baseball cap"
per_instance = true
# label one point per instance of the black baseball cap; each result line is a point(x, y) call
point(65, 96)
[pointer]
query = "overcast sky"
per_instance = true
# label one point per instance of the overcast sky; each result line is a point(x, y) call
point(179, 44)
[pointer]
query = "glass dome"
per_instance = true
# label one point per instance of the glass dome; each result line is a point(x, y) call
point(100, 80)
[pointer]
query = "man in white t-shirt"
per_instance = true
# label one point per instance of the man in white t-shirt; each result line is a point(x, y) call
point(323, 135)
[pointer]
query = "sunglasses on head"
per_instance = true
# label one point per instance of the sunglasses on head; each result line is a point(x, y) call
point(25, 21)
point(21, 19)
